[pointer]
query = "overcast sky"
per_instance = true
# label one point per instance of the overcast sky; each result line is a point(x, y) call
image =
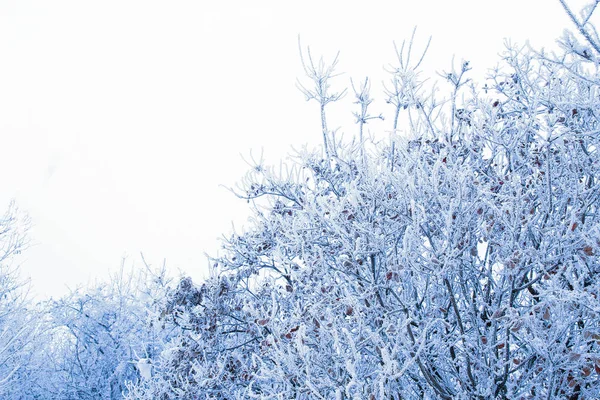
point(119, 120)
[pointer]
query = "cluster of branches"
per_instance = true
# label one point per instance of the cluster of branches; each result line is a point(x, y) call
point(90, 344)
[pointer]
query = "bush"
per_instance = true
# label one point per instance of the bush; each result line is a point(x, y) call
point(457, 261)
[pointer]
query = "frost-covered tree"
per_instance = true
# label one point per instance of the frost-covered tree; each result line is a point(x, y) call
point(20, 323)
point(458, 260)
point(102, 338)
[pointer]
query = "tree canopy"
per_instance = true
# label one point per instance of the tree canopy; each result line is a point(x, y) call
point(458, 259)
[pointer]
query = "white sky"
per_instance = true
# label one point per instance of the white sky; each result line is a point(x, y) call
point(119, 119)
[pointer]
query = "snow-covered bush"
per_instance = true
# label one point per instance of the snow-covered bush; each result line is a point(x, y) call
point(458, 260)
